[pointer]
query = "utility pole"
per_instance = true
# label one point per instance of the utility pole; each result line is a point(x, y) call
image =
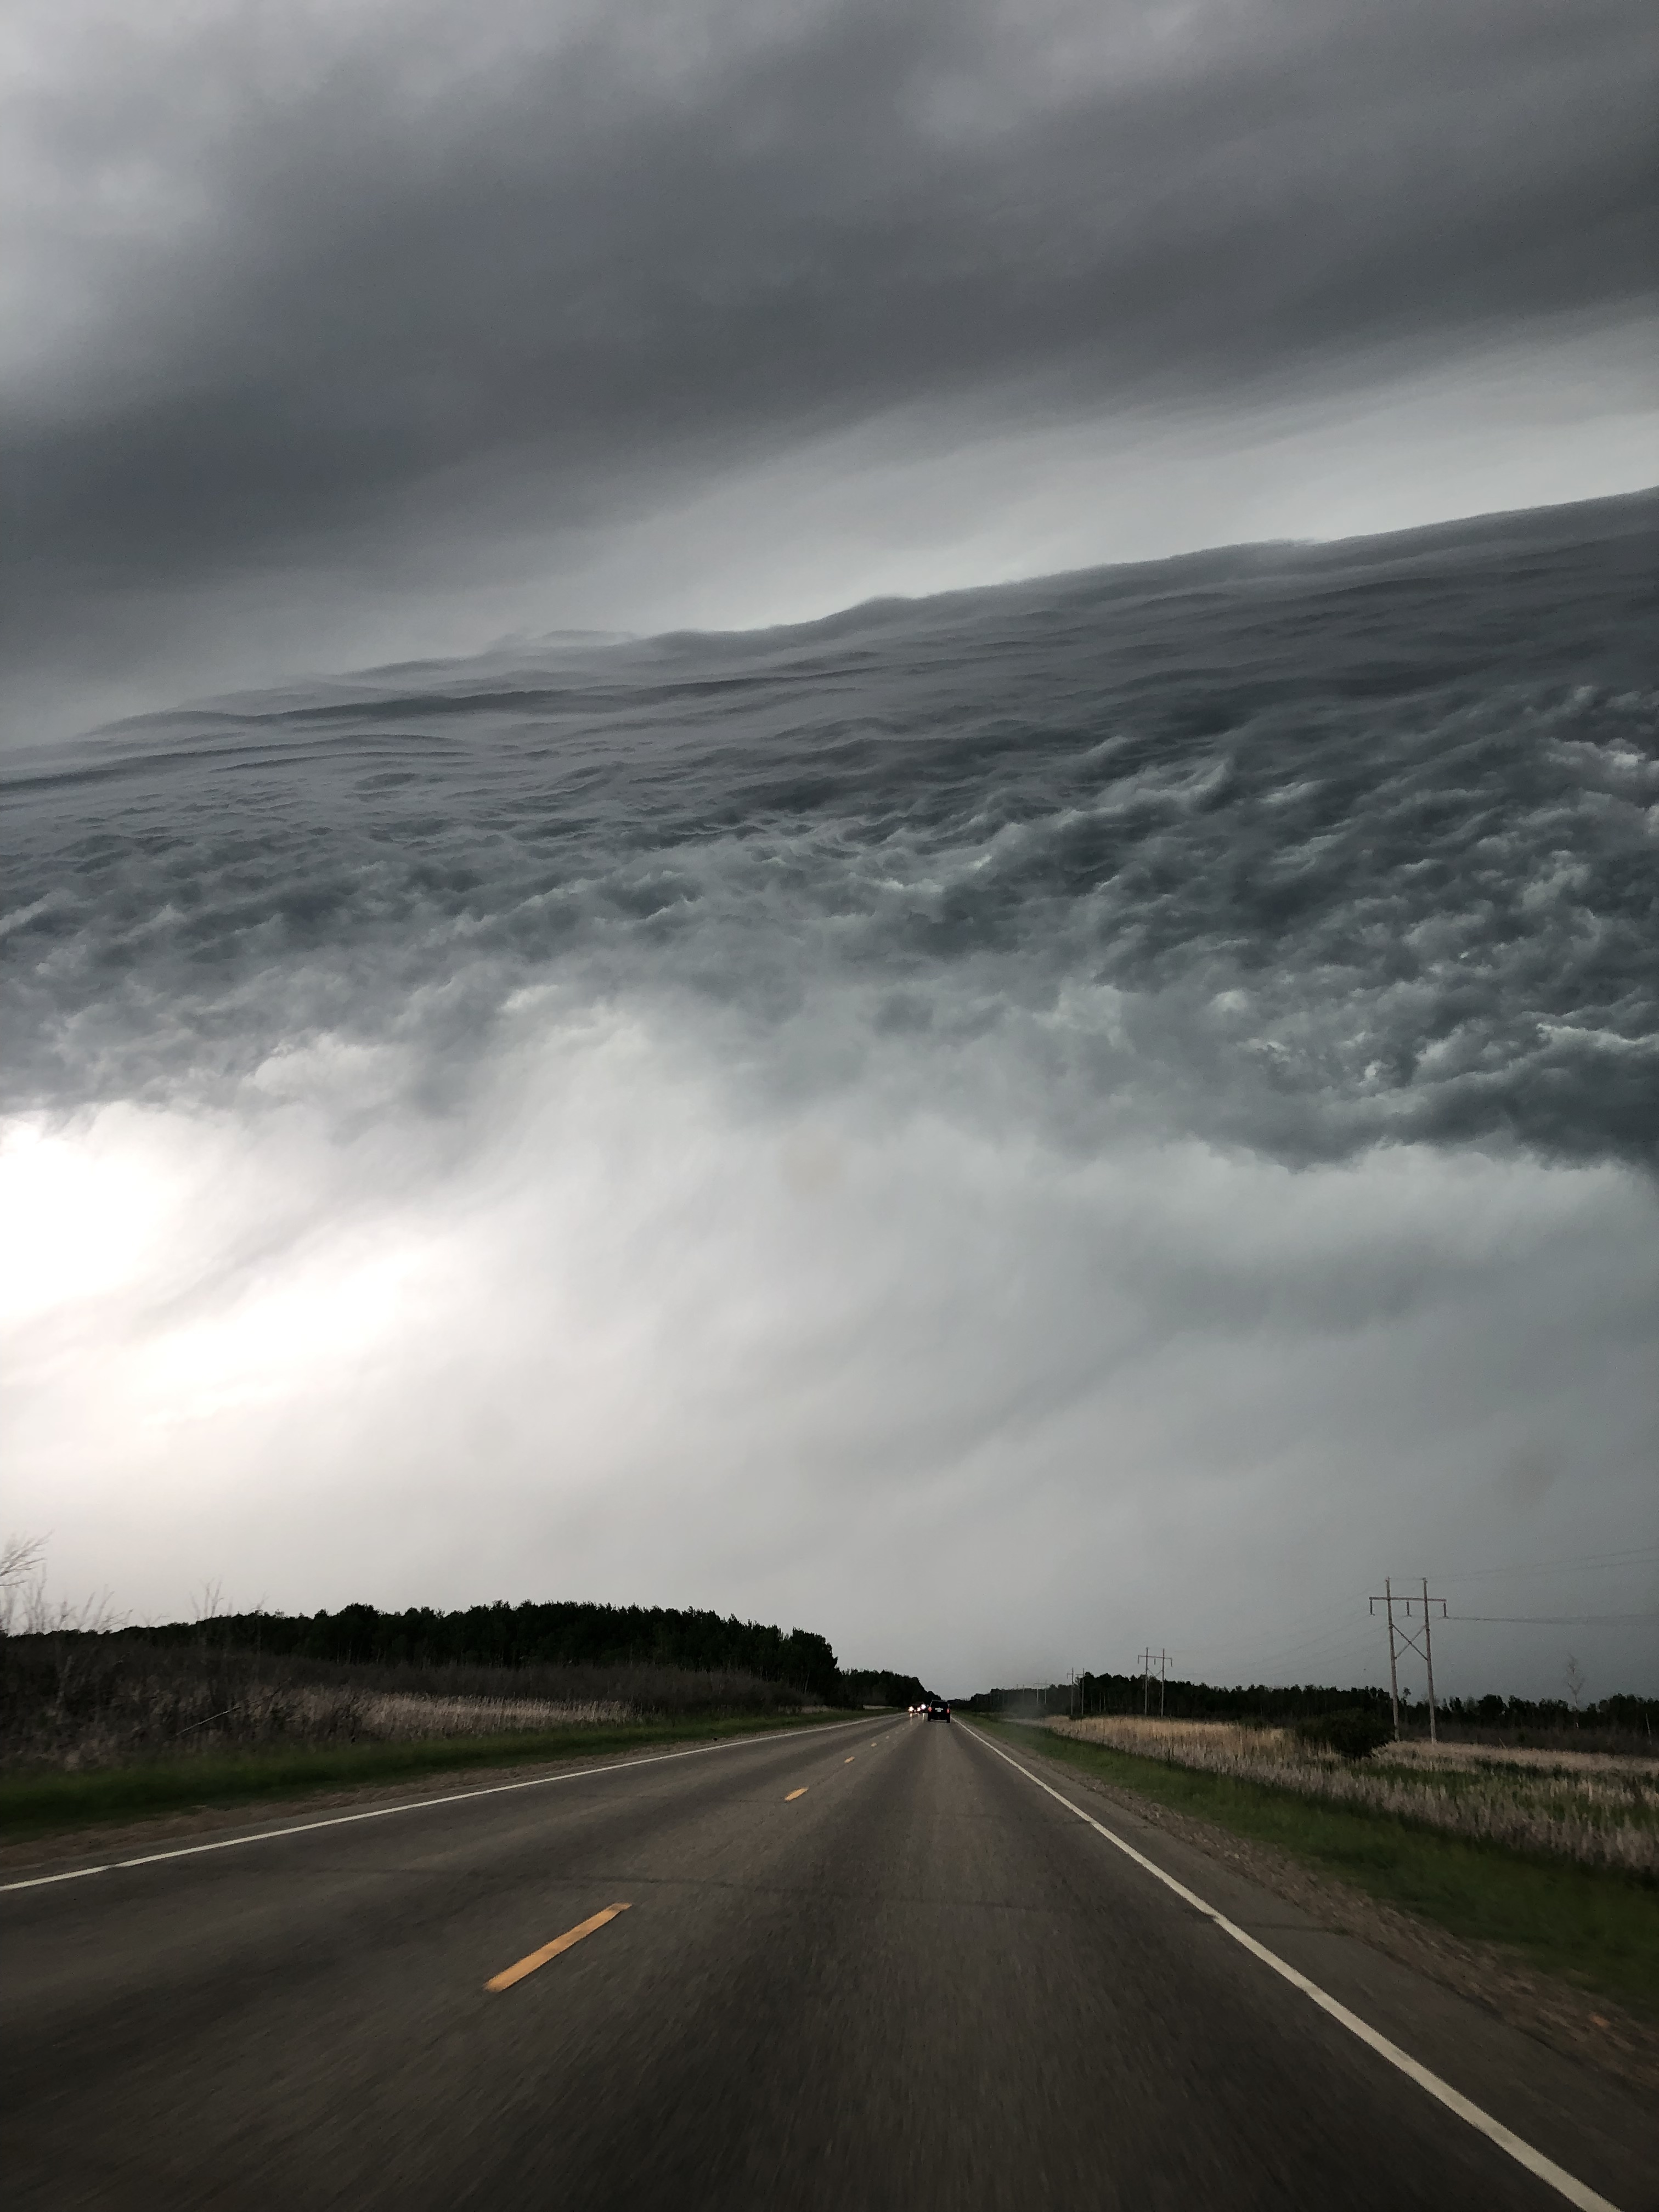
point(1402, 1638)
point(1146, 1662)
point(1394, 1664)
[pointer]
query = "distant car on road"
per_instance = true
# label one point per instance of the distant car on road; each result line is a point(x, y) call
point(936, 1712)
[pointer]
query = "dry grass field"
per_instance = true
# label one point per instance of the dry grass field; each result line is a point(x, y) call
point(391, 1716)
point(81, 1705)
point(95, 1729)
point(1595, 1809)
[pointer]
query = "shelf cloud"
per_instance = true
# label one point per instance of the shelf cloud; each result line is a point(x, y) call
point(716, 1064)
point(966, 1125)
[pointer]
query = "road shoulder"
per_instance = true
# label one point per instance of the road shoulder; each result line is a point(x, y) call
point(1592, 2031)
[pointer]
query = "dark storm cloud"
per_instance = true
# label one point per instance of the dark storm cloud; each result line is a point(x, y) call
point(787, 1122)
point(451, 273)
point(790, 1121)
point(1300, 851)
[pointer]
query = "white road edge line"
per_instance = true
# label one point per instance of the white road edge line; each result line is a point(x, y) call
point(421, 1805)
point(1522, 2153)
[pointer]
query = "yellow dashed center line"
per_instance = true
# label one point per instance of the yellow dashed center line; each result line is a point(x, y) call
point(794, 1794)
point(510, 1974)
point(850, 1757)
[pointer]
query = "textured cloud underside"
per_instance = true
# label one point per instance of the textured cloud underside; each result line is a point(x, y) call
point(990, 1127)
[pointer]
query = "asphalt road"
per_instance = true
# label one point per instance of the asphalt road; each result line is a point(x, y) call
point(868, 1967)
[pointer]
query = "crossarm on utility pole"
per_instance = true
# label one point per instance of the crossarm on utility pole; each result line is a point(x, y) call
point(1402, 1638)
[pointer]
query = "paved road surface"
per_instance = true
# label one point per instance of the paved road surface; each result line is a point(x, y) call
point(923, 1983)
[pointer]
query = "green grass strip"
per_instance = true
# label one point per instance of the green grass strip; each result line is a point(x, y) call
point(1597, 1930)
point(41, 1804)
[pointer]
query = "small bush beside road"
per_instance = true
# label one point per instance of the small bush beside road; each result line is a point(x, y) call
point(1351, 1732)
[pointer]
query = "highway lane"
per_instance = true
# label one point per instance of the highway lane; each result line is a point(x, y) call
point(871, 1966)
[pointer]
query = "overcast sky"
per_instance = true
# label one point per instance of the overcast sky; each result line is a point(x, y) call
point(339, 331)
point(1207, 1109)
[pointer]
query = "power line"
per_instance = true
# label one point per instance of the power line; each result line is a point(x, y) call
point(1346, 1646)
point(1337, 1630)
point(1348, 1637)
point(1559, 1619)
point(1322, 1637)
point(1598, 1560)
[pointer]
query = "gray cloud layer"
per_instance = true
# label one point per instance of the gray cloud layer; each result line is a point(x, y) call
point(1301, 850)
point(991, 1128)
point(1115, 1107)
point(364, 290)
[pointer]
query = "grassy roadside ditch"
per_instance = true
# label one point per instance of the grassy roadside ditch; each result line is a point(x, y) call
point(1595, 1930)
point(38, 1804)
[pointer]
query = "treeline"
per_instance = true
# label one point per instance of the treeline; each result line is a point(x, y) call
point(1187, 1701)
point(864, 1686)
point(1286, 1703)
point(564, 1633)
point(1634, 1716)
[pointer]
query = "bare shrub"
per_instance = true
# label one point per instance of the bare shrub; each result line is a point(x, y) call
point(26, 1607)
